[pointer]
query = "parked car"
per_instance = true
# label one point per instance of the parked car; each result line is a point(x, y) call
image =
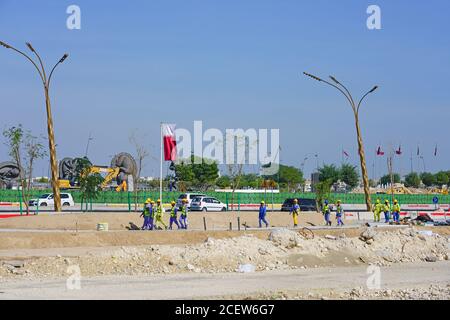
point(189, 197)
point(305, 204)
point(47, 200)
point(205, 203)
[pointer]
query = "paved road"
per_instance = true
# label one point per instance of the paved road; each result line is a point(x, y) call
point(189, 286)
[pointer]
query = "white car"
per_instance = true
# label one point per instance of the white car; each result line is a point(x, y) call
point(47, 200)
point(205, 203)
point(189, 197)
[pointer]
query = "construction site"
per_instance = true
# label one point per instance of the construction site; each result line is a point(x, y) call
point(224, 160)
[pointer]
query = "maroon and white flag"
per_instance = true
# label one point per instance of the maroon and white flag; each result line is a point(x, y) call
point(380, 152)
point(170, 142)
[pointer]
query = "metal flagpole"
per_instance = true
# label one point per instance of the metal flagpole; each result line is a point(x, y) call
point(161, 166)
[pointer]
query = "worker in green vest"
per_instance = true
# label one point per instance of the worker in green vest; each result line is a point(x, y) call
point(387, 211)
point(183, 215)
point(326, 213)
point(396, 211)
point(377, 208)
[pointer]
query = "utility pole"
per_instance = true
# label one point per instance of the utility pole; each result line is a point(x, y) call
point(355, 107)
point(51, 137)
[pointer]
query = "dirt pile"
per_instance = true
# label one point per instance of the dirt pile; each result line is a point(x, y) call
point(432, 292)
point(284, 249)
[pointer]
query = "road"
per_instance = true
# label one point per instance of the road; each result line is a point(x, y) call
point(200, 286)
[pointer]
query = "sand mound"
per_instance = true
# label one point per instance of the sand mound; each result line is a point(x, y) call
point(284, 249)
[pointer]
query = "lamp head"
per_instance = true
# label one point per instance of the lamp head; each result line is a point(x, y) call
point(312, 76)
point(4, 45)
point(64, 57)
point(30, 47)
point(373, 89)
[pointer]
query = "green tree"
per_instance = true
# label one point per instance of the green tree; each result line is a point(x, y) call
point(412, 180)
point(89, 182)
point(322, 190)
point(250, 180)
point(441, 178)
point(428, 179)
point(288, 176)
point(386, 179)
point(201, 175)
point(23, 143)
point(223, 182)
point(349, 174)
point(329, 173)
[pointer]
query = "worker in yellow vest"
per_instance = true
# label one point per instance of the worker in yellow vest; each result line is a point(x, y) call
point(159, 215)
point(377, 208)
point(396, 211)
point(295, 210)
point(387, 211)
point(173, 215)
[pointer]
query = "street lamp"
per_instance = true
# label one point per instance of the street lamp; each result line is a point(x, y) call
point(355, 108)
point(51, 138)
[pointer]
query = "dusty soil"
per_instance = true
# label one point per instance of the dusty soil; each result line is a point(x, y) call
point(399, 281)
point(282, 249)
point(118, 221)
point(44, 248)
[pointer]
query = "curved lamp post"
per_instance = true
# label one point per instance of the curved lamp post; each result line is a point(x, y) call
point(355, 108)
point(51, 138)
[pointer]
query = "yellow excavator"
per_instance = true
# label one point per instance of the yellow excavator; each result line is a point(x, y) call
point(111, 174)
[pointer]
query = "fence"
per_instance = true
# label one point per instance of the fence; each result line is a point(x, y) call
point(112, 197)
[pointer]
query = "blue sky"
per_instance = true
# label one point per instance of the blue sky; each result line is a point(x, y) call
point(234, 64)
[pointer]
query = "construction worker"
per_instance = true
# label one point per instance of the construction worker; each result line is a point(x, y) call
point(326, 213)
point(396, 211)
point(295, 210)
point(159, 215)
point(146, 214)
point(151, 220)
point(387, 211)
point(183, 215)
point(173, 215)
point(339, 213)
point(262, 214)
point(377, 208)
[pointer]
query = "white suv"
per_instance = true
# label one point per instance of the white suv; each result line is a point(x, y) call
point(47, 200)
point(189, 197)
point(206, 203)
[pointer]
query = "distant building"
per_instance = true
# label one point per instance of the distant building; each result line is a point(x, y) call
point(314, 180)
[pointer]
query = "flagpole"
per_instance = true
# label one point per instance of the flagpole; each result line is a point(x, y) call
point(161, 166)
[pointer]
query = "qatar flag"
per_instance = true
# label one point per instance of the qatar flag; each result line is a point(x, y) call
point(379, 152)
point(170, 143)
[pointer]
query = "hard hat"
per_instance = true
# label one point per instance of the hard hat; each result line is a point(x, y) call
point(378, 201)
point(326, 201)
point(153, 202)
point(262, 202)
point(185, 200)
point(295, 200)
point(159, 200)
point(339, 201)
point(395, 200)
point(386, 200)
point(148, 200)
point(172, 203)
